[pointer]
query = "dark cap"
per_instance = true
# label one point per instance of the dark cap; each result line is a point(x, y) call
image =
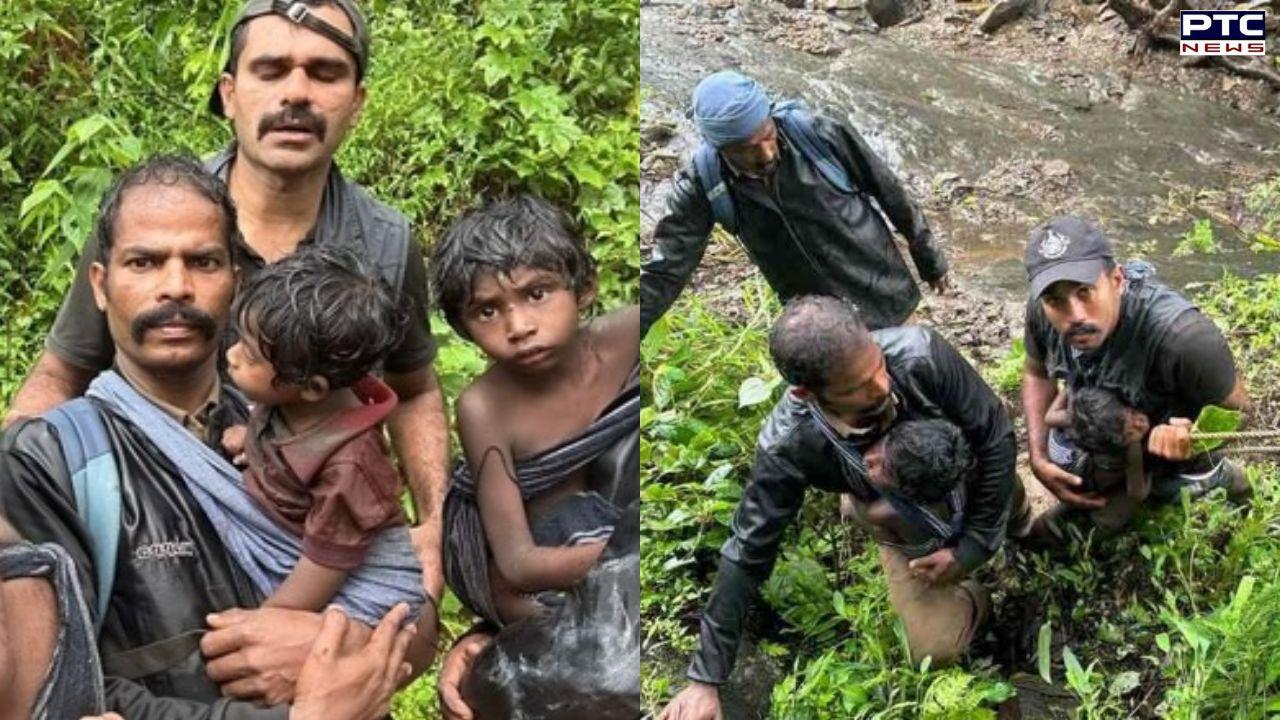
point(300, 13)
point(1066, 248)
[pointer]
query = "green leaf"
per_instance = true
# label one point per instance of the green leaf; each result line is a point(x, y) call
point(1214, 419)
point(1125, 683)
point(1077, 678)
point(1162, 642)
point(1044, 646)
point(753, 391)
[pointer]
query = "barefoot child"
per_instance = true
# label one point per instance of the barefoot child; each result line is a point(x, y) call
point(311, 329)
point(513, 277)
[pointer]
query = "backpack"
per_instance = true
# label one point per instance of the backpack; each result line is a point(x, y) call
point(797, 124)
point(95, 481)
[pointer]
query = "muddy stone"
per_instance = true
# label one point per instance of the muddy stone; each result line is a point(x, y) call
point(1001, 14)
point(887, 13)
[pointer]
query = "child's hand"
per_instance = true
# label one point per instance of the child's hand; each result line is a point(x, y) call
point(233, 444)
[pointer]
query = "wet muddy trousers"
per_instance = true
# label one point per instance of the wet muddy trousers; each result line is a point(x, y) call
point(940, 619)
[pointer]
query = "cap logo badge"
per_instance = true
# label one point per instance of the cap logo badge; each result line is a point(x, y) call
point(1054, 246)
point(297, 12)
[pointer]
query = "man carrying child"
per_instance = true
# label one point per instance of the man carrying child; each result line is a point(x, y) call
point(292, 89)
point(165, 282)
point(1153, 360)
point(837, 429)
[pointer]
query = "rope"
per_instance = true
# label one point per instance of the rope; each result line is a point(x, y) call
point(1239, 435)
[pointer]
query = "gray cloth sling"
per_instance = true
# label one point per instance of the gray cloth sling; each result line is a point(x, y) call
point(73, 685)
point(466, 557)
point(264, 550)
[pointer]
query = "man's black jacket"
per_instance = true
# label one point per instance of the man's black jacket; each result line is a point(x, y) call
point(172, 568)
point(806, 236)
point(930, 380)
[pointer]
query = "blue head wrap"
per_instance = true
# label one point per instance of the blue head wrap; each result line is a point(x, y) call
point(729, 107)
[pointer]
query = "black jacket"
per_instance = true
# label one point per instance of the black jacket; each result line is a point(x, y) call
point(806, 236)
point(930, 380)
point(172, 569)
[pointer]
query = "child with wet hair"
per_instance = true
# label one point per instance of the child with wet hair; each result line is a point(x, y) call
point(522, 516)
point(1101, 423)
point(312, 328)
point(927, 459)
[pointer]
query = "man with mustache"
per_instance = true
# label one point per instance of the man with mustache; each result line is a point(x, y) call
point(171, 635)
point(1094, 323)
point(850, 388)
point(293, 88)
point(798, 191)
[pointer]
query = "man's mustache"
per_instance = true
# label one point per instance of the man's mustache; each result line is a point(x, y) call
point(172, 313)
point(1082, 329)
point(296, 116)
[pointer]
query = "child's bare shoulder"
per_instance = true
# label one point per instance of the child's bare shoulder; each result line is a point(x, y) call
point(618, 334)
point(477, 404)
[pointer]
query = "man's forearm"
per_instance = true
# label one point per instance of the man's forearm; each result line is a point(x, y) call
point(420, 435)
point(51, 382)
point(1038, 393)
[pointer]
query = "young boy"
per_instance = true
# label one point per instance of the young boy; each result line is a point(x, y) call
point(921, 462)
point(513, 277)
point(311, 329)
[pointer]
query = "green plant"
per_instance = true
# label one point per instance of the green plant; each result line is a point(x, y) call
point(1198, 240)
point(1006, 375)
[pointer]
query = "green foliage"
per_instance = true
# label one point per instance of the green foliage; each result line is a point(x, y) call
point(1005, 376)
point(1214, 419)
point(1228, 661)
point(1248, 311)
point(1198, 240)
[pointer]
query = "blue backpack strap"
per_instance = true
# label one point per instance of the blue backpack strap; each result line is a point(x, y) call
point(797, 123)
point(706, 161)
point(95, 480)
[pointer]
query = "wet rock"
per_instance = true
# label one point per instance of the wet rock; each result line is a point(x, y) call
point(746, 696)
point(793, 4)
point(1057, 168)
point(1038, 699)
point(887, 13)
point(1001, 14)
point(659, 133)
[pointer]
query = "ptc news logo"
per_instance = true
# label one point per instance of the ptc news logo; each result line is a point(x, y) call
point(1223, 32)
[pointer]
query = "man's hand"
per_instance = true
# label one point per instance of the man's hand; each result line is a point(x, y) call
point(1171, 441)
point(108, 716)
point(338, 684)
point(456, 666)
point(1062, 484)
point(940, 566)
point(258, 654)
point(698, 701)
point(941, 285)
